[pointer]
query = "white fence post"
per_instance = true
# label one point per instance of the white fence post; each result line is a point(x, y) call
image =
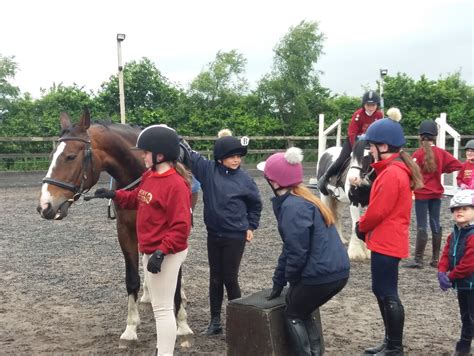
point(441, 143)
point(323, 134)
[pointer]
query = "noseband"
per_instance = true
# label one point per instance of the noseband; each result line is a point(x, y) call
point(78, 190)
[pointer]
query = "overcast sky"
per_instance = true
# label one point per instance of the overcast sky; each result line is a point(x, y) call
point(75, 42)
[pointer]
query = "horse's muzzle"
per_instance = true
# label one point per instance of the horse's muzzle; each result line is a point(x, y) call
point(52, 214)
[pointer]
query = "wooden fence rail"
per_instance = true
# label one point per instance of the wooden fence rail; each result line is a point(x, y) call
point(290, 140)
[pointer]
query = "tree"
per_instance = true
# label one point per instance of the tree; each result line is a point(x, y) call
point(426, 99)
point(292, 90)
point(149, 97)
point(8, 92)
point(223, 77)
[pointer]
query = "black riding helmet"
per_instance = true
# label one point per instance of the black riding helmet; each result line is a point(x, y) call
point(160, 139)
point(428, 128)
point(228, 146)
point(371, 97)
point(469, 145)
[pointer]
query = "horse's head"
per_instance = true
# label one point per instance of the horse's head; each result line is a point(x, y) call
point(360, 168)
point(71, 170)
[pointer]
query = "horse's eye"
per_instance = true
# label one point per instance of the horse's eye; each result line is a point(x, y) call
point(71, 157)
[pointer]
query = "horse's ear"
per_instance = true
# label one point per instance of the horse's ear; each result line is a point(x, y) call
point(85, 121)
point(64, 120)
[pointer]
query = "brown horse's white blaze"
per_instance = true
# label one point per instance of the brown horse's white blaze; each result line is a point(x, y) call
point(52, 206)
point(82, 153)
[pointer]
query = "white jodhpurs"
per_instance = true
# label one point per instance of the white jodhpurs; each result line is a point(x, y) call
point(162, 286)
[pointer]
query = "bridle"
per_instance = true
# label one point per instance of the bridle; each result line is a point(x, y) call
point(78, 190)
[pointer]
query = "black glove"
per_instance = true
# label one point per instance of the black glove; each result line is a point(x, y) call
point(276, 291)
point(155, 261)
point(359, 234)
point(104, 193)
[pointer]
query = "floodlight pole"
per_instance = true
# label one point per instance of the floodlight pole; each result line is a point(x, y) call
point(120, 38)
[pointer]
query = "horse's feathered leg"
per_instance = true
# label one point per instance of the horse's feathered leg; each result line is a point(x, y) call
point(357, 250)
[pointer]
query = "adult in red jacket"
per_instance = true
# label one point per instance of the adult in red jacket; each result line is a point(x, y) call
point(163, 204)
point(384, 226)
point(360, 121)
point(433, 162)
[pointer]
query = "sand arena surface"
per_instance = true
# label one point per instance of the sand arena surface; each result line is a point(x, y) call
point(63, 287)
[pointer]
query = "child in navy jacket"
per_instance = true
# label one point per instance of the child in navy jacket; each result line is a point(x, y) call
point(313, 259)
point(456, 266)
point(232, 208)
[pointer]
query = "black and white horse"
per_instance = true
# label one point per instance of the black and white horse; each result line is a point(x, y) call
point(342, 192)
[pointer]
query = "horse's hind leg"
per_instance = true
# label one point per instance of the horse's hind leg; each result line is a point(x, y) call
point(181, 314)
point(335, 207)
point(146, 293)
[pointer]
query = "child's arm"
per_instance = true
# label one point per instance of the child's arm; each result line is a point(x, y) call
point(254, 206)
point(199, 165)
point(466, 264)
point(443, 264)
point(451, 163)
point(127, 199)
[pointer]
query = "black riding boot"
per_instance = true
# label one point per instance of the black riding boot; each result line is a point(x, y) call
point(215, 326)
point(323, 184)
point(436, 242)
point(394, 319)
point(298, 336)
point(420, 245)
point(376, 349)
point(313, 336)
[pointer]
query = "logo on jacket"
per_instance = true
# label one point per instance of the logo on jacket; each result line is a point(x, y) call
point(144, 196)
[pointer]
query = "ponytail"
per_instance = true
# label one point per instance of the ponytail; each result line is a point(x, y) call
point(429, 161)
point(183, 172)
point(303, 192)
point(416, 179)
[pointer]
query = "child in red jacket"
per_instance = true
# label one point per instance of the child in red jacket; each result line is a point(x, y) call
point(433, 162)
point(465, 178)
point(385, 225)
point(163, 204)
point(456, 267)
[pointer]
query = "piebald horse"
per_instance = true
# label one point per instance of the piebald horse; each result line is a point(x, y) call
point(342, 192)
point(82, 153)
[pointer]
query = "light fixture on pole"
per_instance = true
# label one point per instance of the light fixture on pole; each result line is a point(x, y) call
point(383, 73)
point(120, 38)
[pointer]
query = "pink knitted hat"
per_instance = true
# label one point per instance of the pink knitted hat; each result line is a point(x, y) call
point(285, 168)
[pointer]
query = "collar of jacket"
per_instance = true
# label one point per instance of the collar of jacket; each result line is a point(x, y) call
point(225, 170)
point(381, 165)
point(468, 228)
point(278, 200)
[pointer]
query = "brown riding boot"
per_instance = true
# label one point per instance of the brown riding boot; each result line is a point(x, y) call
point(420, 244)
point(436, 242)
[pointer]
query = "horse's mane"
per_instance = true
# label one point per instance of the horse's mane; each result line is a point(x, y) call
point(359, 150)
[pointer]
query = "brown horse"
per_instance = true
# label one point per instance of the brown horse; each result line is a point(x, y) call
point(85, 150)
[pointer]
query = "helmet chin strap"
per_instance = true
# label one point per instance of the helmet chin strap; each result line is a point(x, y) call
point(380, 153)
point(274, 190)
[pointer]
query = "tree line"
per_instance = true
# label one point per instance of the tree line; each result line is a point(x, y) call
point(286, 100)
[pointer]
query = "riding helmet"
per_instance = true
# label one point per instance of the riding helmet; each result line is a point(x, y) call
point(387, 130)
point(160, 139)
point(371, 97)
point(462, 198)
point(428, 128)
point(469, 145)
point(284, 168)
point(227, 146)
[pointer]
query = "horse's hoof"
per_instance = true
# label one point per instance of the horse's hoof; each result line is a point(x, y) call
point(127, 344)
point(129, 335)
point(145, 298)
point(185, 341)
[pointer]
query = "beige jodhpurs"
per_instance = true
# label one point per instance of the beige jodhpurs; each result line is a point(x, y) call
point(162, 286)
